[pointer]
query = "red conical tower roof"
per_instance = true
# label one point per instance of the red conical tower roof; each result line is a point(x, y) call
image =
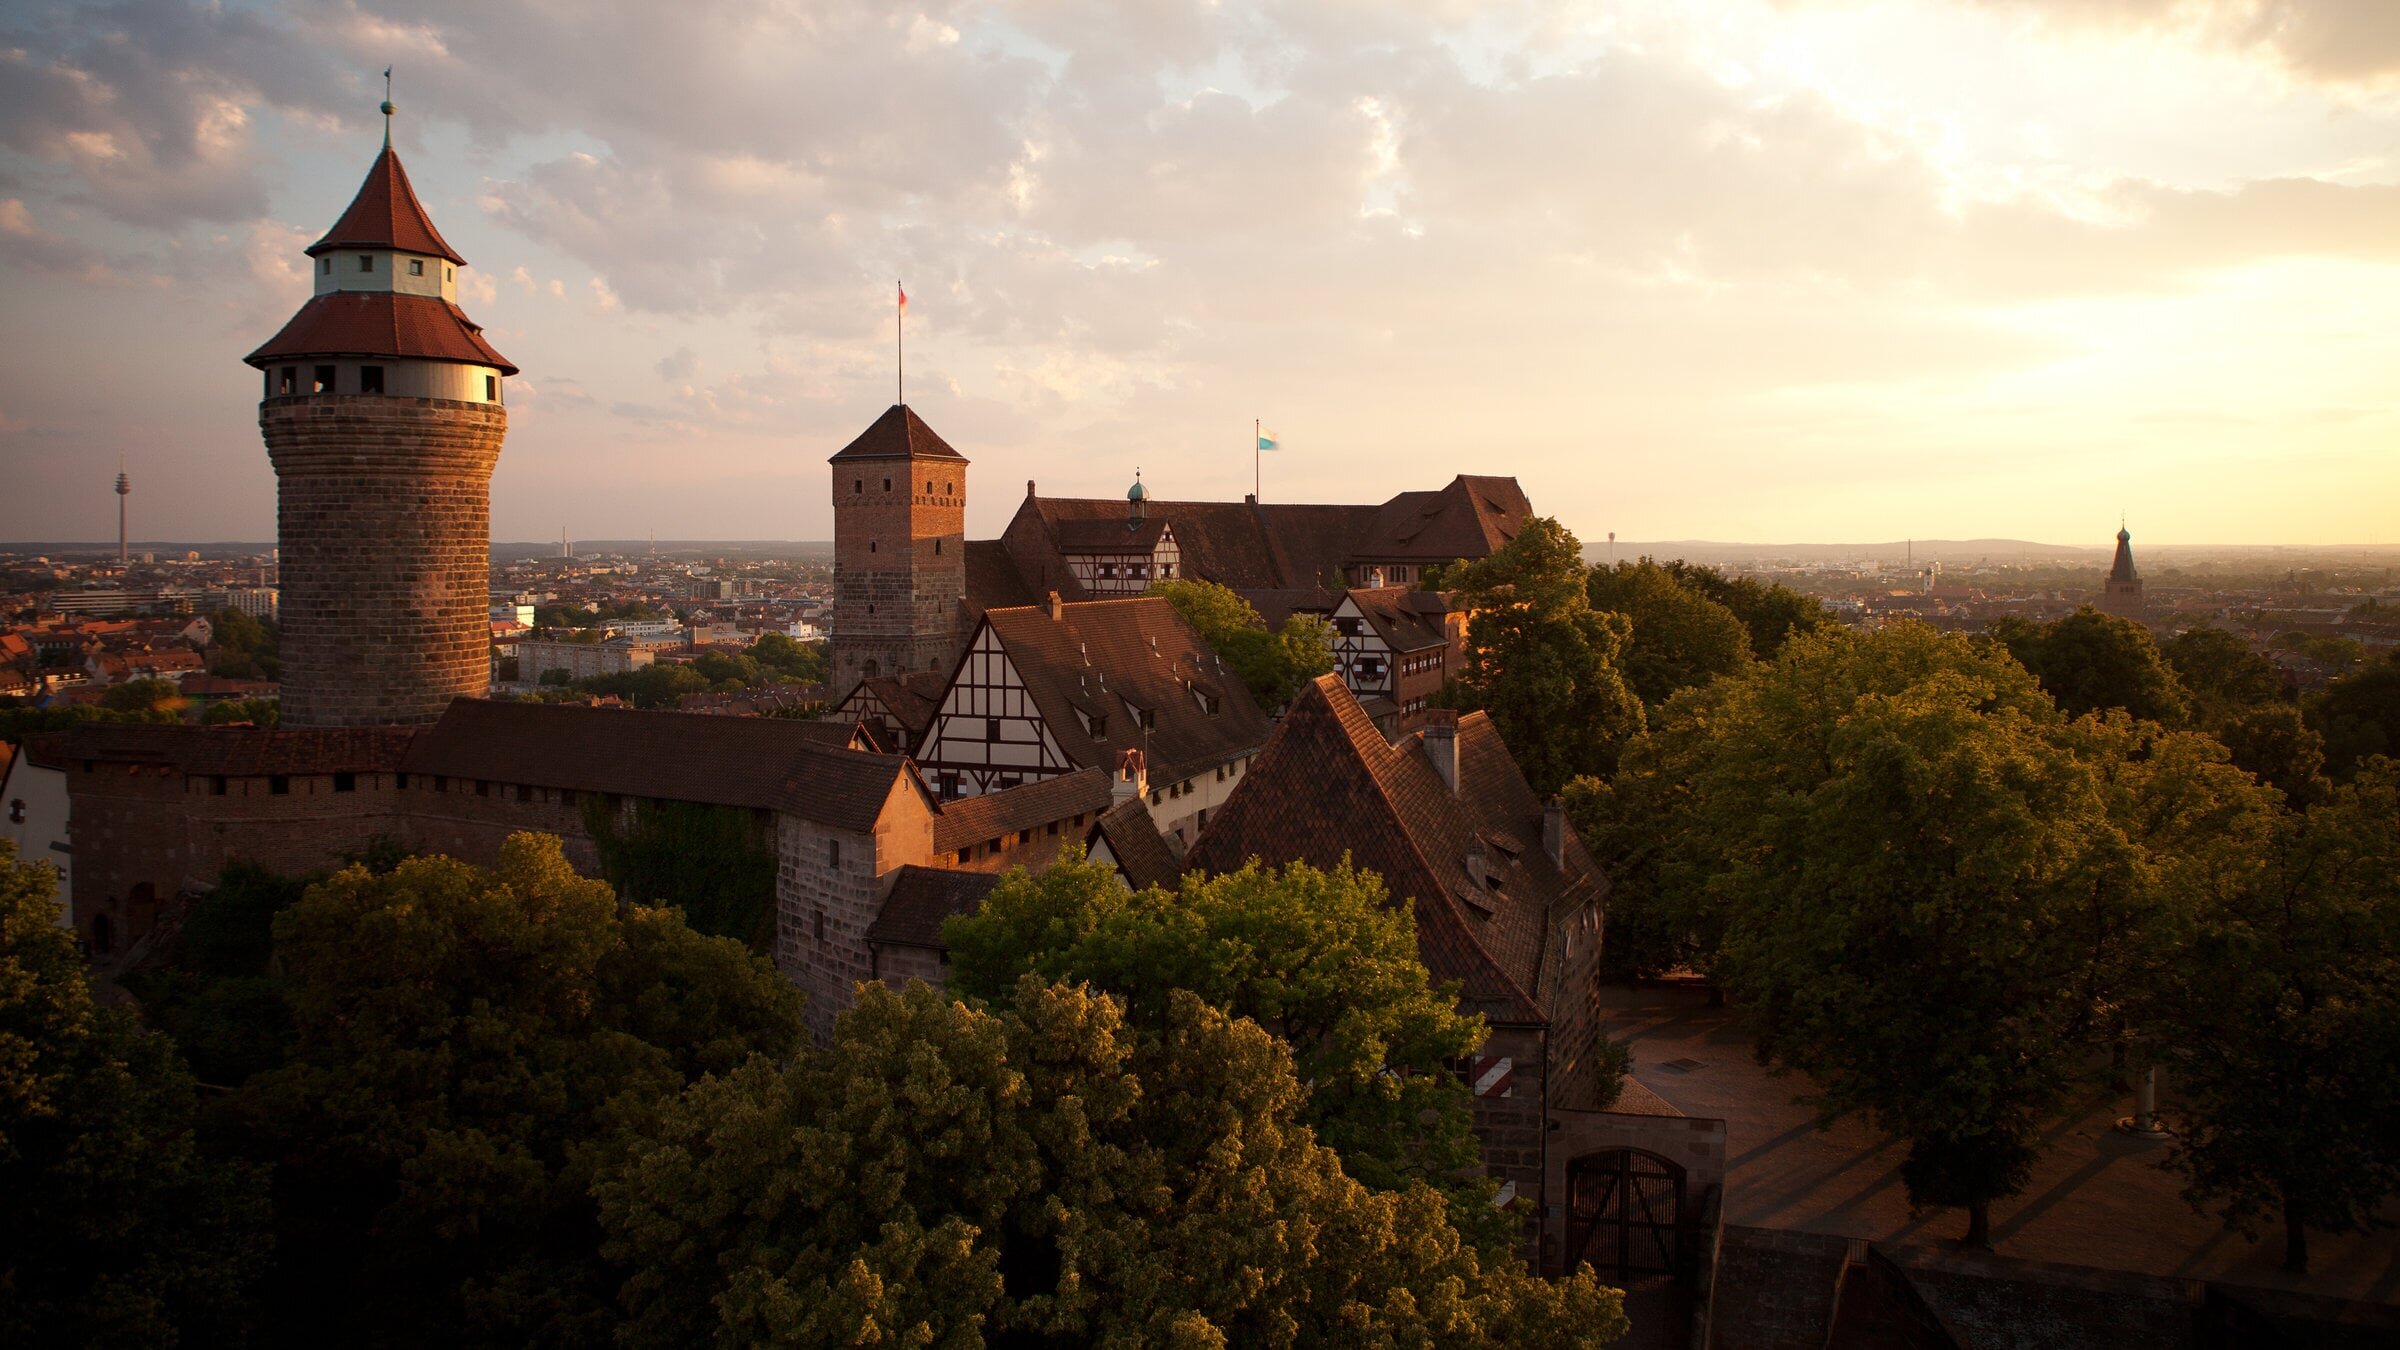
point(386, 214)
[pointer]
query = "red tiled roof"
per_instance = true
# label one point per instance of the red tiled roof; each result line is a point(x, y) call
point(1403, 622)
point(1328, 785)
point(968, 821)
point(234, 752)
point(386, 214)
point(1100, 534)
point(1146, 857)
point(381, 323)
point(765, 763)
point(993, 581)
point(921, 898)
point(898, 434)
point(1100, 655)
point(1470, 518)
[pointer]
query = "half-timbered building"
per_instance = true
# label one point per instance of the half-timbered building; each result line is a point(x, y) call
point(1047, 689)
point(1393, 648)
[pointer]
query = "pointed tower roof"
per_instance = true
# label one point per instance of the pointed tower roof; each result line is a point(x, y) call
point(386, 214)
point(898, 434)
point(2122, 568)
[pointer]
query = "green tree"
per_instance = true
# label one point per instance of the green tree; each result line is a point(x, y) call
point(1773, 614)
point(463, 1039)
point(2274, 742)
point(1681, 638)
point(257, 712)
point(2090, 660)
point(2221, 672)
point(141, 696)
point(2283, 1023)
point(791, 662)
point(949, 1176)
point(246, 648)
point(2339, 655)
point(2359, 716)
point(1272, 664)
point(1322, 959)
point(222, 1006)
point(114, 1230)
point(1541, 660)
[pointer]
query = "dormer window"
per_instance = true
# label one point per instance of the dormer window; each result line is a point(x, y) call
point(366, 262)
point(416, 267)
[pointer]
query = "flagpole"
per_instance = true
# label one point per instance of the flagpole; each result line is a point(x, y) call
point(1256, 431)
point(900, 344)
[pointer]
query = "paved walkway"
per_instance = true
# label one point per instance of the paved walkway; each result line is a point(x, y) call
point(2097, 1198)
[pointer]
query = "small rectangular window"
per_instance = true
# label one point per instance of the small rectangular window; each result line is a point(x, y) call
point(323, 384)
point(345, 782)
point(491, 389)
point(441, 782)
point(400, 782)
point(991, 728)
point(524, 792)
point(416, 267)
point(833, 853)
point(366, 262)
point(280, 785)
point(291, 379)
point(370, 379)
point(216, 785)
point(325, 266)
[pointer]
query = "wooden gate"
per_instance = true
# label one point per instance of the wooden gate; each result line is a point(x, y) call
point(1625, 1213)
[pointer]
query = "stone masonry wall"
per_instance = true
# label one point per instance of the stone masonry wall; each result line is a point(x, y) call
point(1510, 1128)
point(899, 566)
point(384, 519)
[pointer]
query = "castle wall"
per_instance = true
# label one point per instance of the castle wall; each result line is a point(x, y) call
point(385, 525)
point(829, 885)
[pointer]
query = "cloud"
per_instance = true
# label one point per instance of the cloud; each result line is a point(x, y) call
point(2348, 42)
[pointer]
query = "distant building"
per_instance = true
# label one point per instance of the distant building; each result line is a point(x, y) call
point(259, 602)
point(2121, 594)
point(580, 660)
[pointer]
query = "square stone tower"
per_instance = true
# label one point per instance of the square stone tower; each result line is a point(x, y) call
point(899, 550)
point(383, 418)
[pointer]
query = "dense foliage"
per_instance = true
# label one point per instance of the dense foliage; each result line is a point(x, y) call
point(1681, 638)
point(1271, 663)
point(1322, 959)
point(946, 1175)
point(462, 1040)
point(244, 648)
point(2089, 660)
point(114, 1230)
point(714, 863)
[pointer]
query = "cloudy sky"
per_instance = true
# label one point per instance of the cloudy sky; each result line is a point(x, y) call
point(1769, 270)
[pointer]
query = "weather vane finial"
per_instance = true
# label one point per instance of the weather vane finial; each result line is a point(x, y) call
point(388, 109)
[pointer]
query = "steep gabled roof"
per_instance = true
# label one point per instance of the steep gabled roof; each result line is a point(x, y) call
point(1471, 517)
point(381, 323)
point(898, 434)
point(921, 898)
point(1484, 892)
point(1402, 623)
point(968, 821)
point(1110, 658)
point(1145, 857)
point(386, 214)
point(993, 581)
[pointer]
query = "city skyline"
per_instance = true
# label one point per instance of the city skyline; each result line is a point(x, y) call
point(1751, 272)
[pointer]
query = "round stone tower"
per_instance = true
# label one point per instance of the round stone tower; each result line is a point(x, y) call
point(382, 415)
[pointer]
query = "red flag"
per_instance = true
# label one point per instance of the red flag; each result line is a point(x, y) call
point(903, 295)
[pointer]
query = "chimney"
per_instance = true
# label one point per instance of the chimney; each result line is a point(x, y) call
point(1554, 831)
point(1028, 487)
point(1058, 608)
point(1440, 735)
point(1133, 778)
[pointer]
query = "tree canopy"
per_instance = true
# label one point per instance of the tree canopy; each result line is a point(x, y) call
point(2359, 716)
point(1773, 614)
point(1681, 638)
point(1322, 959)
point(2281, 1024)
point(1545, 664)
point(2090, 660)
point(114, 1230)
point(1272, 664)
point(462, 1038)
point(947, 1175)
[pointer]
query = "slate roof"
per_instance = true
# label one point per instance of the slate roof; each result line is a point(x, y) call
point(1101, 655)
point(967, 821)
point(1275, 606)
point(235, 752)
point(898, 434)
point(921, 898)
point(386, 214)
point(1099, 534)
point(381, 323)
point(759, 762)
point(1146, 857)
point(1484, 892)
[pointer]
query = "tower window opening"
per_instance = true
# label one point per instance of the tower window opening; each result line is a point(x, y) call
point(947, 488)
point(416, 267)
point(937, 548)
point(870, 546)
point(491, 388)
point(928, 487)
point(366, 262)
point(858, 485)
point(324, 381)
point(325, 267)
point(291, 379)
point(449, 274)
point(370, 379)
point(887, 484)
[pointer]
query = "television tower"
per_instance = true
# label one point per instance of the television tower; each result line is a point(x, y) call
point(124, 488)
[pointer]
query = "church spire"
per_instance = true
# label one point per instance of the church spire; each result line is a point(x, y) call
point(388, 109)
